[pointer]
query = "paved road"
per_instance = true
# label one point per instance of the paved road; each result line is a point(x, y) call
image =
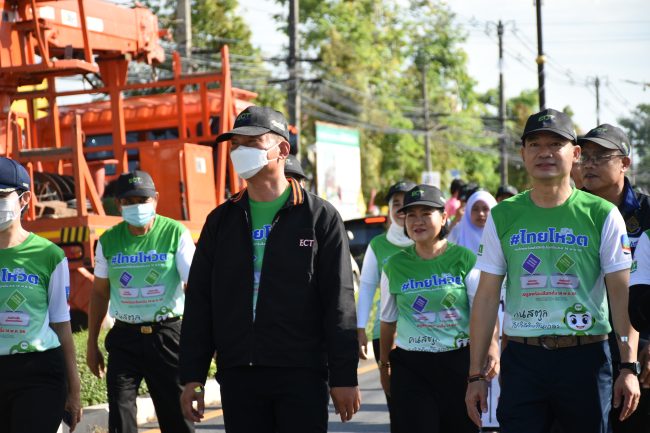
point(372, 418)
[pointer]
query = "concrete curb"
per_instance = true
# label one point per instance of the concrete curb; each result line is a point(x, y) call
point(95, 418)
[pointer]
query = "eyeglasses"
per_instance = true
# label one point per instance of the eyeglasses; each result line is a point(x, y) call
point(599, 159)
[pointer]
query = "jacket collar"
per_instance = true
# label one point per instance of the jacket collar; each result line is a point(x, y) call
point(296, 197)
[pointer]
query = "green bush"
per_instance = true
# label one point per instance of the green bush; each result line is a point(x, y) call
point(93, 390)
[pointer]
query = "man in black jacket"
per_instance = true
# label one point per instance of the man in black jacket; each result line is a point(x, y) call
point(270, 291)
point(605, 160)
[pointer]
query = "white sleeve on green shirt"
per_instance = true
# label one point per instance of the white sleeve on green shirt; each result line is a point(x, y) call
point(57, 293)
point(641, 275)
point(471, 284)
point(389, 310)
point(613, 257)
point(184, 255)
point(101, 264)
point(367, 286)
point(491, 260)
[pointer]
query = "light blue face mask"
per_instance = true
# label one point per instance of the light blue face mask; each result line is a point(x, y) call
point(138, 215)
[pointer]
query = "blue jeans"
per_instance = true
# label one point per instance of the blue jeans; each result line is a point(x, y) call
point(569, 387)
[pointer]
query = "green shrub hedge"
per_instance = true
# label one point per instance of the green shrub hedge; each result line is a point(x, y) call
point(93, 390)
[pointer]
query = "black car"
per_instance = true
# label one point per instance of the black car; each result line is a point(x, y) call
point(361, 231)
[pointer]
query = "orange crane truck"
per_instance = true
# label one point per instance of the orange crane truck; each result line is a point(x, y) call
point(71, 151)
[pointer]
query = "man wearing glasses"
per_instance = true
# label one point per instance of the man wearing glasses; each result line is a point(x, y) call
point(605, 160)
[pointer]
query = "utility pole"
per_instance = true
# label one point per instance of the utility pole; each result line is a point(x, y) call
point(425, 98)
point(597, 84)
point(540, 58)
point(183, 33)
point(293, 102)
point(502, 109)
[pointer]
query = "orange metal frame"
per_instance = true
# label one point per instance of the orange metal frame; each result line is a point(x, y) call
point(55, 143)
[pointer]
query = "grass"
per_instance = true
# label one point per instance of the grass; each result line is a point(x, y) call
point(93, 390)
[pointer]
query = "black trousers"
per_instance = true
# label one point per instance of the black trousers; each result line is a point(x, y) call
point(274, 399)
point(133, 356)
point(32, 392)
point(428, 392)
point(566, 390)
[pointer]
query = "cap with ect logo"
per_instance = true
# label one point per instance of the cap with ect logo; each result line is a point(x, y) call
point(550, 120)
point(13, 176)
point(423, 195)
point(135, 184)
point(257, 121)
point(609, 137)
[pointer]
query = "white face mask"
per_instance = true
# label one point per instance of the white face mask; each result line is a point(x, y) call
point(248, 161)
point(9, 210)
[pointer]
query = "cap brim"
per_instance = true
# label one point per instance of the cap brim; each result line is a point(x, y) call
point(138, 193)
point(243, 130)
point(421, 203)
point(556, 131)
point(602, 142)
point(7, 188)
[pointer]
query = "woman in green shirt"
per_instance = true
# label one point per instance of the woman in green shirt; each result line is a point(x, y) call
point(427, 291)
point(38, 371)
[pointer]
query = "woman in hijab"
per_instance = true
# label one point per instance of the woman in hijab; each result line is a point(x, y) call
point(468, 232)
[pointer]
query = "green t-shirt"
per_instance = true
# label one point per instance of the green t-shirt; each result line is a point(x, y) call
point(383, 250)
point(555, 260)
point(433, 306)
point(145, 283)
point(34, 280)
point(262, 215)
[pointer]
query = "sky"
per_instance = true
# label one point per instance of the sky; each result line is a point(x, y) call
point(583, 39)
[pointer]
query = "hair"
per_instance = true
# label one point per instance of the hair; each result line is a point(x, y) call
point(456, 185)
point(444, 230)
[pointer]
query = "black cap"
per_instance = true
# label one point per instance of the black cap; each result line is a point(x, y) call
point(423, 195)
point(550, 120)
point(401, 186)
point(507, 189)
point(608, 136)
point(257, 121)
point(135, 184)
point(292, 168)
point(13, 176)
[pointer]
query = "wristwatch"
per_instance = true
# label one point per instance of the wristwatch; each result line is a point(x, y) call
point(634, 367)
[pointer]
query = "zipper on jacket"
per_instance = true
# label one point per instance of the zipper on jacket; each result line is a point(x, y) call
point(249, 224)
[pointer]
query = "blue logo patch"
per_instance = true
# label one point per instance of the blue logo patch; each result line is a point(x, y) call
point(420, 303)
point(125, 278)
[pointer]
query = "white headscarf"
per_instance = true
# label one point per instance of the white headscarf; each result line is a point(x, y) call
point(465, 233)
point(395, 233)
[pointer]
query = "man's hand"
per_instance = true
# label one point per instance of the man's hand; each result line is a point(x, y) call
point(193, 392)
point(626, 390)
point(475, 397)
point(73, 406)
point(95, 359)
point(347, 401)
point(363, 343)
point(492, 364)
point(644, 359)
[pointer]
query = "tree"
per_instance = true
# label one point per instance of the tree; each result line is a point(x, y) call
point(370, 75)
point(638, 130)
point(215, 23)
